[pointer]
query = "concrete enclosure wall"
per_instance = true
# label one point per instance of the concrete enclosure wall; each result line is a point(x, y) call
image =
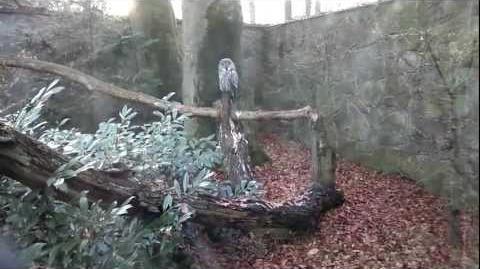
point(397, 83)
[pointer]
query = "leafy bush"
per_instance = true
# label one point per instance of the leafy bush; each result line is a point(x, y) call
point(154, 150)
point(86, 236)
point(26, 119)
point(89, 236)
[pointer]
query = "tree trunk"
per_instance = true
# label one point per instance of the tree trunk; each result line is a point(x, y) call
point(454, 227)
point(158, 48)
point(211, 32)
point(32, 163)
point(308, 8)
point(252, 12)
point(318, 7)
point(288, 10)
point(234, 145)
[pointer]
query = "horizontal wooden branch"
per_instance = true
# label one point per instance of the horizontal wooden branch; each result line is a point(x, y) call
point(24, 10)
point(96, 85)
point(305, 112)
point(33, 163)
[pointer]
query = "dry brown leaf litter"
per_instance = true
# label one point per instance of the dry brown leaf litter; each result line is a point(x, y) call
point(387, 221)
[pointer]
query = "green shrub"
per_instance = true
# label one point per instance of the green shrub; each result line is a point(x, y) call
point(86, 235)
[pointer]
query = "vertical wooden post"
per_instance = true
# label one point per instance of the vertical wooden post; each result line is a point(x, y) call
point(314, 148)
point(234, 145)
point(323, 157)
point(454, 225)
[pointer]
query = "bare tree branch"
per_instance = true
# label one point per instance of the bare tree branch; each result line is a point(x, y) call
point(95, 85)
point(23, 10)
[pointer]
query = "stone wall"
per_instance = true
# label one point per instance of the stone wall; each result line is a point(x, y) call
point(252, 64)
point(397, 83)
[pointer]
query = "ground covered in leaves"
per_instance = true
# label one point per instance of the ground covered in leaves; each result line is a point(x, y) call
point(387, 221)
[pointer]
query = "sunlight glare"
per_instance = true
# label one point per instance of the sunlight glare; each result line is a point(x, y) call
point(120, 8)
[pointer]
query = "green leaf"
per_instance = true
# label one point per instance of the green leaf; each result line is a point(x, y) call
point(177, 188)
point(83, 202)
point(52, 255)
point(123, 210)
point(63, 122)
point(51, 180)
point(186, 181)
point(53, 83)
point(167, 202)
point(168, 96)
point(58, 182)
point(185, 217)
point(33, 252)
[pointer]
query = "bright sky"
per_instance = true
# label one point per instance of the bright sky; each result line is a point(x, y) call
point(267, 11)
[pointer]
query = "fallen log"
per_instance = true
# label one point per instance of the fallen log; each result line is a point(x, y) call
point(97, 86)
point(32, 163)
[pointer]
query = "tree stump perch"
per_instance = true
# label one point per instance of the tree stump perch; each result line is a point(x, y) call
point(324, 160)
point(234, 145)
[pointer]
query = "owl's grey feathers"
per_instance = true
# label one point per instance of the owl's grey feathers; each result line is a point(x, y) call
point(228, 77)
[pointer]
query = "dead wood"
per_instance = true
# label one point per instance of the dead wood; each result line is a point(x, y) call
point(234, 145)
point(24, 10)
point(97, 86)
point(33, 163)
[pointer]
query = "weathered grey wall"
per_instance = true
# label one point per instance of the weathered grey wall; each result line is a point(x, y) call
point(397, 82)
point(251, 64)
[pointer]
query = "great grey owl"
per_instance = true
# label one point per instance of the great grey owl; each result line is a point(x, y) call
point(228, 77)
